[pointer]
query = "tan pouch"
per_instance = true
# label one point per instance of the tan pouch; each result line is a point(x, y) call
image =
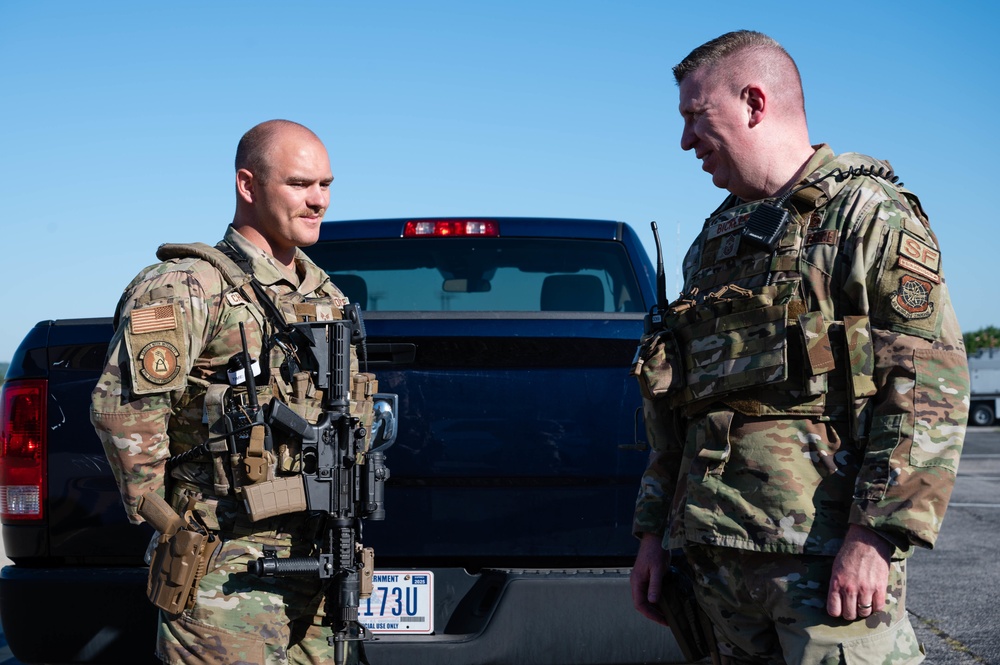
point(283, 495)
point(657, 366)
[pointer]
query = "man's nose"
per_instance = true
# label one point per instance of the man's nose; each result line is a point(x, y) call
point(688, 139)
point(318, 197)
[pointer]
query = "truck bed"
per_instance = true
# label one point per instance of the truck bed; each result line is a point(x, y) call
point(513, 477)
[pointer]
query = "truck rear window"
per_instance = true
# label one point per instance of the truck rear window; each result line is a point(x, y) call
point(482, 274)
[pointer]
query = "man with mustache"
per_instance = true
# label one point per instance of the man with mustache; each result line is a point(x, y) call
point(169, 380)
point(806, 397)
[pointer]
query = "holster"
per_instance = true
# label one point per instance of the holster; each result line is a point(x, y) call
point(690, 625)
point(181, 557)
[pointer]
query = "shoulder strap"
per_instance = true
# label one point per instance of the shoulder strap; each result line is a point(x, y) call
point(236, 270)
point(233, 273)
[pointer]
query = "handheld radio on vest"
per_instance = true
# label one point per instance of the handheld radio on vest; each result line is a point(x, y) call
point(654, 319)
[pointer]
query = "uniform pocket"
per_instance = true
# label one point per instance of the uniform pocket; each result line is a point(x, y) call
point(874, 477)
point(897, 645)
point(710, 440)
point(941, 408)
point(192, 642)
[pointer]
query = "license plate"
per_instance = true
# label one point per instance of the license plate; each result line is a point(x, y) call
point(402, 602)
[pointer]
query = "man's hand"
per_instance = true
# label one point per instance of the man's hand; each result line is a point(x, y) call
point(860, 575)
point(647, 576)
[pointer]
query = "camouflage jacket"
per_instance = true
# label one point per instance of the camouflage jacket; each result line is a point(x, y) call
point(177, 328)
point(796, 391)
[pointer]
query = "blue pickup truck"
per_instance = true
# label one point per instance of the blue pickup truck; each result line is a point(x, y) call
point(513, 477)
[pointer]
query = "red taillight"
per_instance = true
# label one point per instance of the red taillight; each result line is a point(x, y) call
point(23, 421)
point(441, 228)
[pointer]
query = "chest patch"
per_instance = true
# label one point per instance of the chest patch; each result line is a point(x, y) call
point(724, 226)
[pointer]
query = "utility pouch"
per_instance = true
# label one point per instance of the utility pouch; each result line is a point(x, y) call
point(181, 557)
point(657, 365)
point(285, 494)
point(739, 343)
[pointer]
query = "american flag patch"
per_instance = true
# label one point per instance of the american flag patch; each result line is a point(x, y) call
point(152, 319)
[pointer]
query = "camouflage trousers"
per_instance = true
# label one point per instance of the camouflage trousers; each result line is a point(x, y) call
point(241, 619)
point(770, 609)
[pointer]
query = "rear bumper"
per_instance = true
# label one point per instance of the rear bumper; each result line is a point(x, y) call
point(534, 617)
point(78, 615)
point(528, 617)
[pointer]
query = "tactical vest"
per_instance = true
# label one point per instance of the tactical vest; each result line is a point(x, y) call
point(285, 376)
point(751, 333)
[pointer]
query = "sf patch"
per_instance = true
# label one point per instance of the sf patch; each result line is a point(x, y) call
point(912, 298)
point(155, 341)
point(919, 257)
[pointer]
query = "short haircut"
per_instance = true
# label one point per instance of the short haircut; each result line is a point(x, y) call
point(762, 56)
point(253, 150)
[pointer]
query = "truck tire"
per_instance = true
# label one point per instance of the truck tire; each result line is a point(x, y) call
point(982, 415)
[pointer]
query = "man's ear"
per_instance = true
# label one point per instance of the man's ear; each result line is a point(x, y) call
point(756, 102)
point(245, 185)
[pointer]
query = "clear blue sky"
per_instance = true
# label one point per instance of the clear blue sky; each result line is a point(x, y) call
point(119, 120)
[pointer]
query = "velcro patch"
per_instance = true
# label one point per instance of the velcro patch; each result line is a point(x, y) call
point(923, 254)
point(912, 299)
point(155, 340)
point(724, 226)
point(729, 247)
point(158, 362)
point(915, 267)
point(152, 319)
point(828, 237)
point(235, 299)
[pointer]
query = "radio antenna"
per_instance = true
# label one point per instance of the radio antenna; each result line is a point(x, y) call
point(661, 278)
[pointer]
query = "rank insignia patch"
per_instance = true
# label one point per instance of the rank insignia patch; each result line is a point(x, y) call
point(912, 299)
point(158, 362)
point(729, 247)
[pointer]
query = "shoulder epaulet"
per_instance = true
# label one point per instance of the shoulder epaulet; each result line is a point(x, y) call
point(826, 185)
point(234, 274)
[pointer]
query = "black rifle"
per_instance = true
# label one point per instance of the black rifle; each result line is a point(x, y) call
point(341, 479)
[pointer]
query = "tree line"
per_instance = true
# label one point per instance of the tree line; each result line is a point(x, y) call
point(983, 338)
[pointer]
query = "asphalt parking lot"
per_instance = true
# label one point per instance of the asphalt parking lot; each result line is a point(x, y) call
point(953, 590)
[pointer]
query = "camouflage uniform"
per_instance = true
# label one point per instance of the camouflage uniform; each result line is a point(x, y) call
point(793, 393)
point(177, 330)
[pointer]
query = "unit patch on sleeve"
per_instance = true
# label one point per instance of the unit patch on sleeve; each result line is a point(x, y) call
point(913, 251)
point(912, 298)
point(158, 362)
point(157, 349)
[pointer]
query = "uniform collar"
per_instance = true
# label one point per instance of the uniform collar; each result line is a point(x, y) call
point(266, 268)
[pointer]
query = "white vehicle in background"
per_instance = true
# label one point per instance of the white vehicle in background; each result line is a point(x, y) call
point(984, 368)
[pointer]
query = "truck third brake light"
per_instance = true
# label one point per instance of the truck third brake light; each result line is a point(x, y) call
point(440, 228)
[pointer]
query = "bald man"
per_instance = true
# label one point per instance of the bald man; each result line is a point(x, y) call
point(167, 384)
point(806, 397)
